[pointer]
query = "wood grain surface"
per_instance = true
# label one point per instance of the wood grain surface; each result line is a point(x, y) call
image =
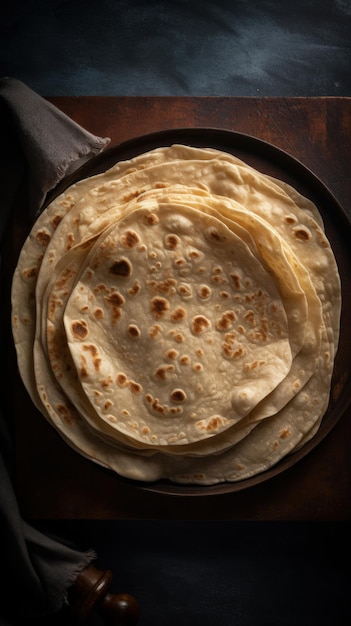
point(53, 481)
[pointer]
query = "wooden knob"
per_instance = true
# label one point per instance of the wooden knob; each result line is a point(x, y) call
point(120, 610)
point(90, 593)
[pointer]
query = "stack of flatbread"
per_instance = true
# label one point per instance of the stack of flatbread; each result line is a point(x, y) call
point(178, 317)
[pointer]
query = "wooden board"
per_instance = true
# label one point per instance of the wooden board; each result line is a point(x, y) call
point(53, 481)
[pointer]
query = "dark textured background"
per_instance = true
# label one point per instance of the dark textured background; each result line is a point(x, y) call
point(184, 47)
point(233, 574)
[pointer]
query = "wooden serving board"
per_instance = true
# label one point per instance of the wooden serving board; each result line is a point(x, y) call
point(53, 481)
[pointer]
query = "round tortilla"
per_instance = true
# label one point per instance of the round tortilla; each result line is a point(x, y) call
point(294, 303)
point(193, 398)
point(176, 329)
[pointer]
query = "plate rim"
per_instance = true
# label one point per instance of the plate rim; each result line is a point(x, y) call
point(215, 136)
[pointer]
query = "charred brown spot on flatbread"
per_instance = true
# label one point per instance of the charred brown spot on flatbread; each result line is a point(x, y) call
point(134, 331)
point(121, 267)
point(79, 329)
point(43, 237)
point(178, 396)
point(159, 306)
point(179, 314)
point(199, 324)
point(94, 355)
point(130, 239)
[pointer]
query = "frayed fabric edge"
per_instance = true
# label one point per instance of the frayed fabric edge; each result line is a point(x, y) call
point(60, 601)
point(69, 165)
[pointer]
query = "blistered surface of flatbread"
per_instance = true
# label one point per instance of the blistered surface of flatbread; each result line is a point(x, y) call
point(178, 317)
point(175, 328)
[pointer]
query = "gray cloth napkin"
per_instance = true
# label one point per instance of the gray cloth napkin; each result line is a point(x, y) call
point(40, 146)
point(53, 145)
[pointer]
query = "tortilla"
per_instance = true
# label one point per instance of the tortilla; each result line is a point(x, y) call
point(179, 317)
point(152, 334)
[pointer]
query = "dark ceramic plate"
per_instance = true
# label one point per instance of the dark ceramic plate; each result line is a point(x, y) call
point(275, 162)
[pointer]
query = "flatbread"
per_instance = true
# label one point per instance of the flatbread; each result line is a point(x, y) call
point(152, 334)
point(179, 317)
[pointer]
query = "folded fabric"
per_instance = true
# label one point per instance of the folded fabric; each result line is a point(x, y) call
point(52, 144)
point(37, 568)
point(41, 145)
